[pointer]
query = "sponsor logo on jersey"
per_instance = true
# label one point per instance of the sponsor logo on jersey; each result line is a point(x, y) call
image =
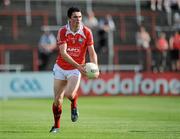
point(73, 51)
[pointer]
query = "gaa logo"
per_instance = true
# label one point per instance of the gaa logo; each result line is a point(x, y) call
point(25, 85)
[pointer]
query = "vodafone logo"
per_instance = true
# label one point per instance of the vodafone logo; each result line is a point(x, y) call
point(135, 85)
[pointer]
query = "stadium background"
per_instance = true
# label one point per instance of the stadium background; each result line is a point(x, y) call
point(21, 25)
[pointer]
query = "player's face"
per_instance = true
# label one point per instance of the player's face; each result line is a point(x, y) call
point(76, 19)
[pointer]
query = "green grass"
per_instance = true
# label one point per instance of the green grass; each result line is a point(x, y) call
point(100, 118)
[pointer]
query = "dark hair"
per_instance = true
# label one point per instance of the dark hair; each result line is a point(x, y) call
point(72, 10)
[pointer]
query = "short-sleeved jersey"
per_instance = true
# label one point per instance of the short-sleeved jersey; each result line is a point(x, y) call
point(77, 44)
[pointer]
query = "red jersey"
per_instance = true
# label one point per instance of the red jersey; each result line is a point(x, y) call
point(176, 42)
point(77, 44)
point(162, 44)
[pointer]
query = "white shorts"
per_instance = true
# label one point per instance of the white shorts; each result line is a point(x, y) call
point(62, 74)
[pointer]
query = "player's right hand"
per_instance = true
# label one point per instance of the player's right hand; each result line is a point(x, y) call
point(82, 69)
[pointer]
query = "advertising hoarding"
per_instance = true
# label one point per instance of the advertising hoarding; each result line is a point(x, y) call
point(40, 84)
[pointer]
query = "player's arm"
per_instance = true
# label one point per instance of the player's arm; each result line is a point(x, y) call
point(92, 54)
point(66, 56)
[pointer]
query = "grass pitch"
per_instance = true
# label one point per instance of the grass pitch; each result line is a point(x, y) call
point(100, 118)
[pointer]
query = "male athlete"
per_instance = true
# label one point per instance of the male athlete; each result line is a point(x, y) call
point(73, 40)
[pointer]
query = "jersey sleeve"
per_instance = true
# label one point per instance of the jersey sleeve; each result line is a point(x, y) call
point(90, 40)
point(61, 39)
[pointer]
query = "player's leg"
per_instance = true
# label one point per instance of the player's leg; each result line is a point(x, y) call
point(71, 90)
point(59, 86)
point(71, 93)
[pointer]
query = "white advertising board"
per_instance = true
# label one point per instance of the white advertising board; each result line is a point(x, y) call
point(26, 84)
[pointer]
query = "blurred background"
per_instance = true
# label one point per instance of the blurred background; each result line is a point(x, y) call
point(22, 23)
point(130, 36)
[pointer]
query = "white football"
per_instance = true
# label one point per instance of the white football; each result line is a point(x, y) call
point(92, 70)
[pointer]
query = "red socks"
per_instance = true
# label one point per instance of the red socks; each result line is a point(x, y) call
point(57, 110)
point(74, 102)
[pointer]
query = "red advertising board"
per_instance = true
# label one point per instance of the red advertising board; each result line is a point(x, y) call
point(130, 83)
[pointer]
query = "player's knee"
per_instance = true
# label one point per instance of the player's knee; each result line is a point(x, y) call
point(58, 101)
point(70, 96)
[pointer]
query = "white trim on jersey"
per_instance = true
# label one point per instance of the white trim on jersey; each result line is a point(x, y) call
point(80, 30)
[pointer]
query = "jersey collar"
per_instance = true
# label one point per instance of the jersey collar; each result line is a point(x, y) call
point(80, 31)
